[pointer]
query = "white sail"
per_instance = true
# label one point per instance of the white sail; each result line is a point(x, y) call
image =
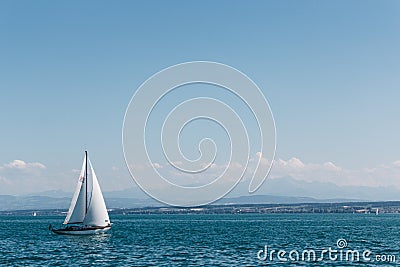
point(77, 209)
point(87, 210)
point(97, 214)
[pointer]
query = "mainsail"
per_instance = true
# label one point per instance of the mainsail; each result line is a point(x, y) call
point(93, 211)
point(97, 212)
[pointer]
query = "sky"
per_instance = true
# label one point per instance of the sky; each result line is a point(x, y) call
point(329, 70)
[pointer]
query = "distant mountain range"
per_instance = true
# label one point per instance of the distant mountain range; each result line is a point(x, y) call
point(287, 186)
point(8, 202)
point(270, 199)
point(284, 190)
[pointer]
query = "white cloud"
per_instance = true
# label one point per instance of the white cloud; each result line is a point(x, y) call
point(396, 163)
point(22, 165)
point(297, 169)
point(382, 175)
point(375, 176)
point(19, 176)
point(17, 169)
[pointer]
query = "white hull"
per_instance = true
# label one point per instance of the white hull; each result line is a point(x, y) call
point(81, 231)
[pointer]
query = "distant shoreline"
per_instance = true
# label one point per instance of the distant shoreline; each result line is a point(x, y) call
point(392, 207)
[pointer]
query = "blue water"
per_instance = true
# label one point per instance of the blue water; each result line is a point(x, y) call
point(210, 240)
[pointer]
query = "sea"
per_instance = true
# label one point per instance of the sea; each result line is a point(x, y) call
point(208, 240)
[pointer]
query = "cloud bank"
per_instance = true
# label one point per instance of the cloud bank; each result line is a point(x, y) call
point(19, 177)
point(384, 175)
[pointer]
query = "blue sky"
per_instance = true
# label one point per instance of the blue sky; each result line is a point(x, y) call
point(330, 71)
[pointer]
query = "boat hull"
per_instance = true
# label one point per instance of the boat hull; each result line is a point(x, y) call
point(82, 230)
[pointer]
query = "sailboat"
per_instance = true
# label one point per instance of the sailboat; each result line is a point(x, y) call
point(87, 213)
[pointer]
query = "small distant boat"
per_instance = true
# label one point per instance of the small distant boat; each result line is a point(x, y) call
point(87, 213)
point(377, 211)
point(34, 214)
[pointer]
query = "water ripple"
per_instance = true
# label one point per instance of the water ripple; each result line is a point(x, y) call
point(189, 240)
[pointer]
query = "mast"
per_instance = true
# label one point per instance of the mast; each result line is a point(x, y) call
point(86, 181)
